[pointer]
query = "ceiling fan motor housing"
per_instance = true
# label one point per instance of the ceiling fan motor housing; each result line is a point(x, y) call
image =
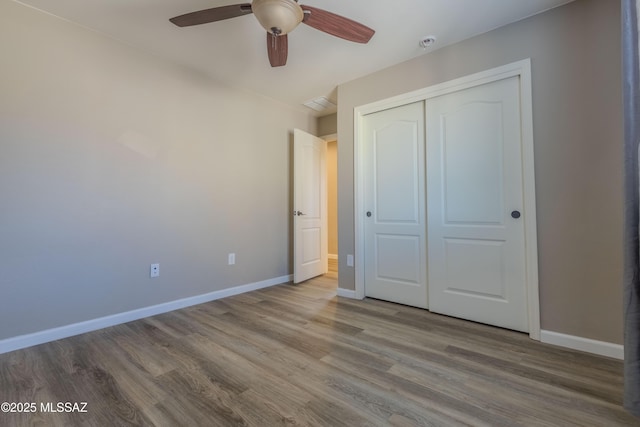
point(278, 17)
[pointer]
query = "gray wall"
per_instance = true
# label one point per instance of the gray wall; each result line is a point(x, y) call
point(328, 125)
point(575, 54)
point(111, 159)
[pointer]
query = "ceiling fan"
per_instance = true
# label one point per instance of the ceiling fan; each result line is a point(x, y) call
point(279, 17)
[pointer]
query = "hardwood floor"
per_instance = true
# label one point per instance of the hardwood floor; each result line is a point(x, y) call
point(299, 355)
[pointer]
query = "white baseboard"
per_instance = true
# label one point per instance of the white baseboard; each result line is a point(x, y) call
point(601, 348)
point(346, 293)
point(24, 341)
point(332, 256)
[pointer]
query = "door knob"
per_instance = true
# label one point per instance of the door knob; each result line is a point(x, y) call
point(299, 213)
point(515, 214)
point(368, 214)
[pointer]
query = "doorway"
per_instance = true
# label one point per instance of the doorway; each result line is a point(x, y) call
point(315, 200)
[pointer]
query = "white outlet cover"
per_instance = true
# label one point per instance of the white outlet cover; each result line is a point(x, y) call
point(349, 260)
point(155, 270)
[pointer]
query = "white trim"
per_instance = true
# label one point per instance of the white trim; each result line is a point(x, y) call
point(601, 348)
point(529, 199)
point(24, 341)
point(332, 256)
point(358, 198)
point(522, 69)
point(346, 293)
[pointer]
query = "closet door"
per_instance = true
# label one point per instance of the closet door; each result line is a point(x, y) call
point(477, 268)
point(395, 221)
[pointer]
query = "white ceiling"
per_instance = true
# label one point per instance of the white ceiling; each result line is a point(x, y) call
point(234, 51)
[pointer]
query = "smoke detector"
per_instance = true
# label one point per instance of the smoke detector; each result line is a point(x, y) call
point(427, 41)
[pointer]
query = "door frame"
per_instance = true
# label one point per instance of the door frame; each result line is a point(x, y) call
point(522, 69)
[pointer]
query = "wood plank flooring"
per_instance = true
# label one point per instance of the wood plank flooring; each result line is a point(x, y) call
point(299, 355)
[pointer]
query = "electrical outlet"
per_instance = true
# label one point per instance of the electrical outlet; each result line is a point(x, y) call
point(349, 260)
point(155, 270)
point(232, 259)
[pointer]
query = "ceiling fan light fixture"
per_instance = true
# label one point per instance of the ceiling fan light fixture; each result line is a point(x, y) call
point(278, 17)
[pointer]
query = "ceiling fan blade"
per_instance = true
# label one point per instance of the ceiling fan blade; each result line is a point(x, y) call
point(277, 48)
point(336, 25)
point(212, 15)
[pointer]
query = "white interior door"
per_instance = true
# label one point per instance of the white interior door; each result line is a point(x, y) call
point(394, 192)
point(310, 206)
point(475, 205)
